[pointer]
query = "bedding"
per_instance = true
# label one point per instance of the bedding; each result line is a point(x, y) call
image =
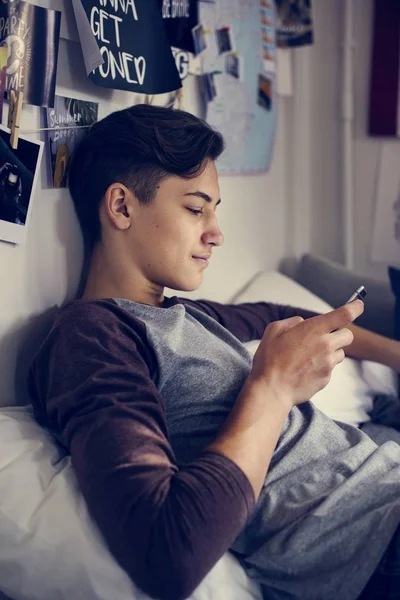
point(50, 549)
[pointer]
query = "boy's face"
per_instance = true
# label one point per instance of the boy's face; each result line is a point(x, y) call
point(171, 239)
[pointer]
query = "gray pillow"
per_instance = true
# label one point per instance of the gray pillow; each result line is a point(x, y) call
point(334, 284)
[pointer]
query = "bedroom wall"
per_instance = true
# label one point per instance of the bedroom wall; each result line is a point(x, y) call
point(325, 204)
point(41, 274)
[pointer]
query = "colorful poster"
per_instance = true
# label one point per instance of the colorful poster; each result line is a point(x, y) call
point(19, 170)
point(180, 17)
point(133, 44)
point(31, 35)
point(294, 25)
point(238, 96)
point(70, 120)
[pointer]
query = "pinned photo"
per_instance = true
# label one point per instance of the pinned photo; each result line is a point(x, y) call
point(199, 39)
point(224, 40)
point(209, 87)
point(265, 92)
point(19, 170)
point(233, 65)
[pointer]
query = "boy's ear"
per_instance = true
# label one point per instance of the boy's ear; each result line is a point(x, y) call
point(118, 205)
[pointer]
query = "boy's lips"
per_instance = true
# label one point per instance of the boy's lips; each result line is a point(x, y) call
point(203, 259)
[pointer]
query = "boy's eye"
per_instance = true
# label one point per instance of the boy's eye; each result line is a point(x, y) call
point(195, 211)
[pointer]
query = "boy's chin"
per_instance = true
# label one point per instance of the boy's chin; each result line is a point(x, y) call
point(186, 286)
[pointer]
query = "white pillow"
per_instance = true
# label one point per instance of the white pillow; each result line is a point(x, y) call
point(50, 549)
point(348, 396)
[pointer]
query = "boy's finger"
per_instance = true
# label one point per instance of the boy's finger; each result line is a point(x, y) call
point(340, 317)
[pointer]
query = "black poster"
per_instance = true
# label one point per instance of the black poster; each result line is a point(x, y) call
point(31, 34)
point(134, 46)
point(180, 16)
point(294, 23)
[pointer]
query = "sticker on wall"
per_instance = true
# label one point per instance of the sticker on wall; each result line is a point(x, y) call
point(31, 35)
point(180, 17)
point(69, 121)
point(19, 171)
point(133, 44)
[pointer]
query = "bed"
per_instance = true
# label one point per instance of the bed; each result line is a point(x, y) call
point(49, 547)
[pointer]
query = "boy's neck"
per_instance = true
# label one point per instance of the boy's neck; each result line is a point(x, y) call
point(109, 278)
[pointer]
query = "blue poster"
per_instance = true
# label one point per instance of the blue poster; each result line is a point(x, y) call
point(236, 42)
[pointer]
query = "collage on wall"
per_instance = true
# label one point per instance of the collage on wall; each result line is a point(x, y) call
point(213, 40)
point(239, 81)
point(29, 42)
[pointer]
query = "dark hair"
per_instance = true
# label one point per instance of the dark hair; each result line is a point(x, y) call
point(139, 147)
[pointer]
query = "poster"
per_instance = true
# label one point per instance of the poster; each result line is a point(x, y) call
point(133, 44)
point(238, 97)
point(19, 170)
point(386, 230)
point(31, 35)
point(294, 25)
point(70, 120)
point(180, 17)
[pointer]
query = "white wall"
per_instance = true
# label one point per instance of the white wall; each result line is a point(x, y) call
point(44, 272)
point(325, 204)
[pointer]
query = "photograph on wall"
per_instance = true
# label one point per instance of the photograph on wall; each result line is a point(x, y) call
point(199, 39)
point(133, 44)
point(233, 65)
point(31, 35)
point(225, 41)
point(265, 92)
point(209, 87)
point(294, 23)
point(180, 17)
point(19, 171)
point(386, 229)
point(69, 121)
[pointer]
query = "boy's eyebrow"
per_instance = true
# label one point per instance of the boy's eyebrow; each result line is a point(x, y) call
point(205, 197)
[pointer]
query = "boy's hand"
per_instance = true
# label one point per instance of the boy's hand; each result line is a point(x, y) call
point(295, 357)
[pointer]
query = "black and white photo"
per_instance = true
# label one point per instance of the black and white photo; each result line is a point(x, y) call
point(18, 175)
point(199, 39)
point(233, 65)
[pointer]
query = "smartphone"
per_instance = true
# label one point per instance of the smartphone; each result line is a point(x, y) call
point(358, 294)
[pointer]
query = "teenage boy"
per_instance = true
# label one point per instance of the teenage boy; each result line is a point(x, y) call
point(183, 445)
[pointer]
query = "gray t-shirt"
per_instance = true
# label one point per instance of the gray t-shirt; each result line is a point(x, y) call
point(331, 499)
